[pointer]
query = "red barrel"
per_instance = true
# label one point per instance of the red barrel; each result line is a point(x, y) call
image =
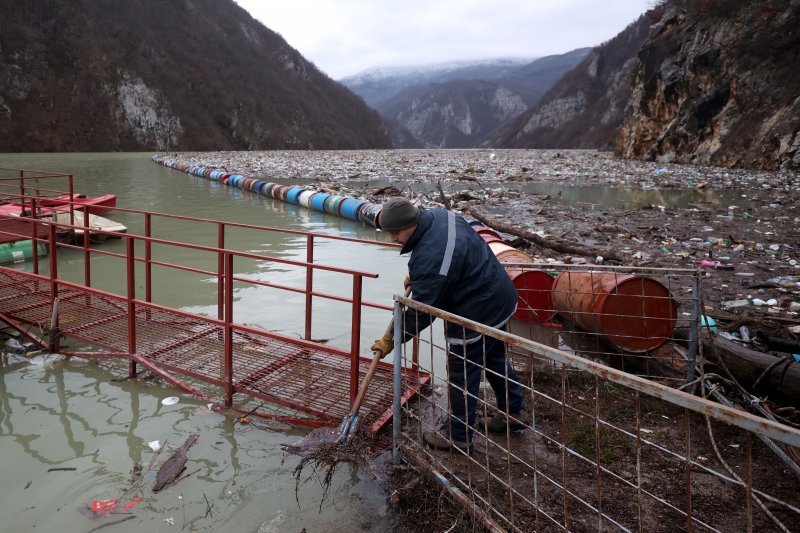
point(634, 313)
point(535, 289)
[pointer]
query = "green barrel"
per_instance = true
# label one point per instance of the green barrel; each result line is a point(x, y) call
point(19, 252)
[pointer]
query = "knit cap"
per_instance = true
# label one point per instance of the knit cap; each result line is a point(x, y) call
point(398, 214)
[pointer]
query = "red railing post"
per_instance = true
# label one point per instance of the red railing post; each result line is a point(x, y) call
point(309, 283)
point(53, 287)
point(148, 257)
point(35, 241)
point(228, 355)
point(71, 199)
point(220, 271)
point(355, 337)
point(87, 274)
point(131, 275)
point(53, 265)
point(22, 190)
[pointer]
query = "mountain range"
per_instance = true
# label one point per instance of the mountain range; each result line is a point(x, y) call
point(709, 82)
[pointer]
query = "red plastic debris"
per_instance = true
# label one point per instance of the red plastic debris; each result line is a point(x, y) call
point(103, 506)
point(131, 503)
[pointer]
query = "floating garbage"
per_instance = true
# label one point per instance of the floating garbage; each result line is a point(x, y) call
point(708, 323)
point(154, 445)
point(171, 400)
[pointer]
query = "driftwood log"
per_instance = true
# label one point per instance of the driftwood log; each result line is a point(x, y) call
point(553, 243)
point(778, 377)
point(173, 466)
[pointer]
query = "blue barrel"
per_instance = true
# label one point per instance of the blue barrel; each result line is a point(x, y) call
point(233, 181)
point(317, 201)
point(349, 208)
point(293, 195)
point(368, 214)
point(256, 186)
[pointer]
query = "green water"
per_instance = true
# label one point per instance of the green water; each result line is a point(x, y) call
point(72, 414)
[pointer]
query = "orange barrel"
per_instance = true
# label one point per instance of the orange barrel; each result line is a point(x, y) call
point(535, 289)
point(508, 254)
point(487, 234)
point(634, 313)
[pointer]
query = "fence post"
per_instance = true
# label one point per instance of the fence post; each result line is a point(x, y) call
point(131, 274)
point(694, 337)
point(397, 383)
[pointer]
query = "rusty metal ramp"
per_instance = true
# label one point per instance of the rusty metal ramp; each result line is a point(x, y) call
point(297, 381)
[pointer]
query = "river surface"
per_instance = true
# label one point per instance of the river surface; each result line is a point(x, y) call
point(73, 416)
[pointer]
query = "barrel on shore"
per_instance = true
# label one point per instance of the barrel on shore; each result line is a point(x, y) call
point(534, 285)
point(634, 313)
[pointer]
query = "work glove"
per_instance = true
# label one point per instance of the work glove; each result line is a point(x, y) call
point(384, 345)
point(407, 282)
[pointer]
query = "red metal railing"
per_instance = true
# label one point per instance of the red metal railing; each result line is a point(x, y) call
point(225, 274)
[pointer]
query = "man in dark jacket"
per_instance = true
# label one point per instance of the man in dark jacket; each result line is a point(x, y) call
point(452, 268)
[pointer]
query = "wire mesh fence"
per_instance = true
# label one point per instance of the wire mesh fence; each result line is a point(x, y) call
point(594, 446)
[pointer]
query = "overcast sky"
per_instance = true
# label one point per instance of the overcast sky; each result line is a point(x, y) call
point(344, 37)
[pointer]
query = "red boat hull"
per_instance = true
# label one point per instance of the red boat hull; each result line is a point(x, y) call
point(96, 206)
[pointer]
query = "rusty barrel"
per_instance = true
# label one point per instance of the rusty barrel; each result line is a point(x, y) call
point(535, 290)
point(509, 254)
point(634, 313)
point(534, 286)
point(487, 234)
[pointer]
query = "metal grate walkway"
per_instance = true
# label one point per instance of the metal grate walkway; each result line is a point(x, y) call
point(299, 381)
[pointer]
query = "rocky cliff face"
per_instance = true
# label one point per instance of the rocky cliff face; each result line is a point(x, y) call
point(96, 75)
point(717, 82)
point(585, 107)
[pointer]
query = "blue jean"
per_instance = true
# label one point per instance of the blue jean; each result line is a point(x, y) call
point(464, 367)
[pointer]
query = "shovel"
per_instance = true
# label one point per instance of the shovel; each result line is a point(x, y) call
point(324, 435)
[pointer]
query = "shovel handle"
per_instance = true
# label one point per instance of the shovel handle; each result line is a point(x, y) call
point(373, 365)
